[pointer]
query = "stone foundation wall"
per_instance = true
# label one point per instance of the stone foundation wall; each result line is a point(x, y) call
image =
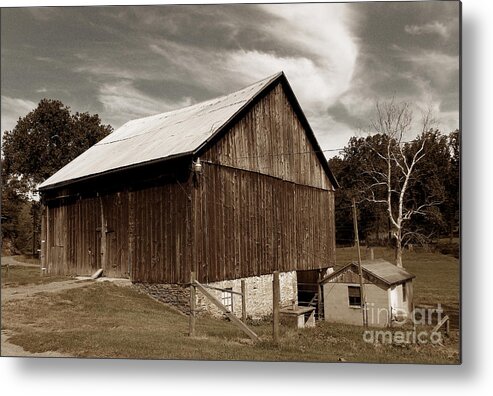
point(175, 295)
point(258, 295)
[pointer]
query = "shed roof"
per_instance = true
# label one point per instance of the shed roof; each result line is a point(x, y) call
point(172, 134)
point(387, 272)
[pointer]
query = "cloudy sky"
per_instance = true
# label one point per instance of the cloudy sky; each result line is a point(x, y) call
point(129, 62)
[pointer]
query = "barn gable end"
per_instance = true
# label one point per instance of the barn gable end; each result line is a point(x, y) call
point(271, 139)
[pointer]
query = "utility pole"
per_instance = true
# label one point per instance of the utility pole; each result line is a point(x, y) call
point(361, 286)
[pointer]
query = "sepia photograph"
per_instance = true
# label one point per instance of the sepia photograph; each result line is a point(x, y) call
point(232, 182)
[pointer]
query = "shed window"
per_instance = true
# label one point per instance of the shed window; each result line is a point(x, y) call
point(354, 294)
point(227, 299)
point(404, 292)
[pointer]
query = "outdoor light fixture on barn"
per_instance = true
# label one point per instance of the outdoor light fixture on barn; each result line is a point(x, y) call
point(197, 166)
point(231, 189)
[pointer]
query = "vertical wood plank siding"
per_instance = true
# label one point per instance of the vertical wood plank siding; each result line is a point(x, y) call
point(162, 252)
point(271, 140)
point(263, 203)
point(146, 235)
point(264, 224)
point(72, 237)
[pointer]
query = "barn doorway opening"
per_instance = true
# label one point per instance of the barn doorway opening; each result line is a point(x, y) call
point(309, 292)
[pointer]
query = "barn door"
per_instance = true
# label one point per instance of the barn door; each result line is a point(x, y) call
point(114, 239)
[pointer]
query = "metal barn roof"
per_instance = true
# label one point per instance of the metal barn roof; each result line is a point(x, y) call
point(162, 136)
point(387, 272)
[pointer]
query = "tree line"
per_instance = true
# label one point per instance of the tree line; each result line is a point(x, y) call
point(430, 206)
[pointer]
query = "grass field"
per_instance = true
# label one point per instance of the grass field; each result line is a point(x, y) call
point(437, 275)
point(103, 320)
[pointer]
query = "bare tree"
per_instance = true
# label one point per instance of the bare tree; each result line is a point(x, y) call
point(390, 176)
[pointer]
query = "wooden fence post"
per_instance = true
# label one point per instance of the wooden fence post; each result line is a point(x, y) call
point(275, 306)
point(243, 301)
point(445, 320)
point(191, 328)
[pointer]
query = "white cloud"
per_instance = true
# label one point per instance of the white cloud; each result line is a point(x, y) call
point(434, 27)
point(321, 75)
point(448, 121)
point(429, 67)
point(304, 73)
point(124, 102)
point(330, 134)
point(44, 59)
point(44, 14)
point(102, 70)
point(191, 63)
point(321, 31)
point(427, 58)
point(12, 109)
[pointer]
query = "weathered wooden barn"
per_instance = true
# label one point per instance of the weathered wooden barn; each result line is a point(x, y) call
point(388, 291)
point(234, 187)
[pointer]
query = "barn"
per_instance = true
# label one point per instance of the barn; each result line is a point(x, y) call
point(232, 188)
point(388, 291)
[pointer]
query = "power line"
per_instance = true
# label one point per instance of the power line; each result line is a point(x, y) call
point(292, 153)
point(305, 152)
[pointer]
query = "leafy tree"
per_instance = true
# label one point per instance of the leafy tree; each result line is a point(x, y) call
point(48, 138)
point(42, 142)
point(344, 228)
point(351, 170)
point(16, 227)
point(451, 205)
point(428, 184)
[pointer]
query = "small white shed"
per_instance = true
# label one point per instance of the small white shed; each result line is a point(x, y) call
point(388, 292)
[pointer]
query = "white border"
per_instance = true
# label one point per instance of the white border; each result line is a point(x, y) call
point(126, 377)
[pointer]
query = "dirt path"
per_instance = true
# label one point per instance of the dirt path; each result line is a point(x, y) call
point(10, 260)
point(19, 292)
point(26, 291)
